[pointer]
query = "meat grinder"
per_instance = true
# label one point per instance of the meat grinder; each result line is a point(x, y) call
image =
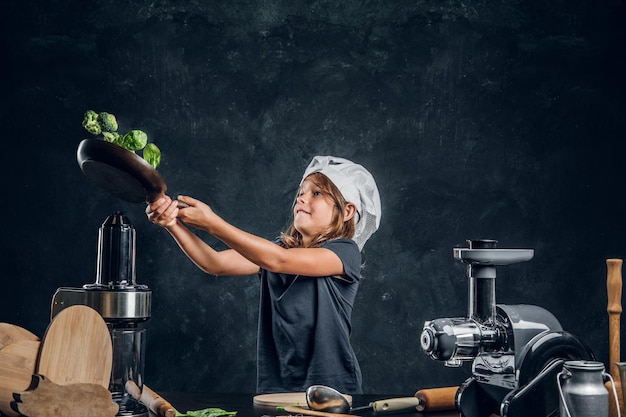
point(124, 306)
point(516, 350)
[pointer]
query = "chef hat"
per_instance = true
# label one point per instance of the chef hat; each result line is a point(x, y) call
point(357, 186)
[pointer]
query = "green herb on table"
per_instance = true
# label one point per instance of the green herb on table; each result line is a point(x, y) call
point(207, 412)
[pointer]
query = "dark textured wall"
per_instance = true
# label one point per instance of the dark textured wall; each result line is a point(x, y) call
point(479, 119)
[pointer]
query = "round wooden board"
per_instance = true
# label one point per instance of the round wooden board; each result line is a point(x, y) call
point(17, 365)
point(77, 348)
point(285, 398)
point(10, 333)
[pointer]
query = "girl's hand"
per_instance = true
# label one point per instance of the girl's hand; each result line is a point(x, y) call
point(197, 214)
point(163, 212)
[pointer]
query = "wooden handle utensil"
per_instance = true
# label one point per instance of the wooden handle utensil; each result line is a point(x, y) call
point(437, 399)
point(157, 404)
point(614, 309)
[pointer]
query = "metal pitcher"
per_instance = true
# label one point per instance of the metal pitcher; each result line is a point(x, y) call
point(582, 391)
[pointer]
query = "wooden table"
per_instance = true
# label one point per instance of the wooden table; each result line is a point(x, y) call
point(243, 404)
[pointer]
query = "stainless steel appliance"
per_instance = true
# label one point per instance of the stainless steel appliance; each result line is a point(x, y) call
point(516, 351)
point(123, 304)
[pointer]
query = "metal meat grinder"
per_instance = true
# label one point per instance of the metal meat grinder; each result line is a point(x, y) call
point(517, 350)
point(123, 304)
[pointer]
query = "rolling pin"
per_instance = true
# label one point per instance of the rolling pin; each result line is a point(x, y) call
point(614, 309)
point(151, 399)
point(436, 399)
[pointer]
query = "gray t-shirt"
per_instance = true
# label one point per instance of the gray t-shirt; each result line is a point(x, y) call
point(305, 325)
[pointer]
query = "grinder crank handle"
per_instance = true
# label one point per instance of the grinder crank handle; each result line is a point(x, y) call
point(614, 309)
point(151, 399)
point(437, 399)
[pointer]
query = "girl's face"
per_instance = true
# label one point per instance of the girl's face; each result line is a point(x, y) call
point(314, 210)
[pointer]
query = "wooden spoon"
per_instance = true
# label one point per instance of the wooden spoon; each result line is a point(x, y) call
point(76, 348)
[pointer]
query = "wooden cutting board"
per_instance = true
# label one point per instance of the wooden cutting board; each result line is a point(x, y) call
point(76, 348)
point(47, 399)
point(10, 333)
point(286, 398)
point(17, 365)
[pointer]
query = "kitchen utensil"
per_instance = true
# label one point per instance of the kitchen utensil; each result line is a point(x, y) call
point(285, 398)
point(155, 403)
point(306, 412)
point(614, 309)
point(17, 365)
point(47, 399)
point(119, 171)
point(323, 398)
point(436, 399)
point(10, 333)
point(76, 348)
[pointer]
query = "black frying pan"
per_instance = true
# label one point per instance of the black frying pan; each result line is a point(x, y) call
point(119, 171)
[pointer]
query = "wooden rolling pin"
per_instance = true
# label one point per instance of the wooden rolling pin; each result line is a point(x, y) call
point(436, 399)
point(157, 404)
point(614, 309)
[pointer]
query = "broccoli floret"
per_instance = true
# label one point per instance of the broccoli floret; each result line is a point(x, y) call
point(112, 137)
point(90, 122)
point(152, 155)
point(134, 140)
point(107, 122)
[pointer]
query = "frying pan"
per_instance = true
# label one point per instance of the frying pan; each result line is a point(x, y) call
point(119, 171)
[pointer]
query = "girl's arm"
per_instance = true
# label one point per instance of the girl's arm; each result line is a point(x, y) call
point(256, 250)
point(228, 262)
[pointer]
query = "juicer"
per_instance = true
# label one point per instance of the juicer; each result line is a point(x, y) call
point(516, 351)
point(123, 304)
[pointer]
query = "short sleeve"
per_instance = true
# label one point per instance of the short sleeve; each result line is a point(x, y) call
point(350, 256)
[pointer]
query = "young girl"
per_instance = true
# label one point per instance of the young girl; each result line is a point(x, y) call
point(309, 276)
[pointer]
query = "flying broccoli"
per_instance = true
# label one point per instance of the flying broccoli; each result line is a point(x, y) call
point(107, 122)
point(112, 137)
point(90, 122)
point(135, 140)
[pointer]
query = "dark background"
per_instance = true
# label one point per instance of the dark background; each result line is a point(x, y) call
point(482, 119)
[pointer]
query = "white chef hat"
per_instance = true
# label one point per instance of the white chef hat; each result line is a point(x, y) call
point(357, 186)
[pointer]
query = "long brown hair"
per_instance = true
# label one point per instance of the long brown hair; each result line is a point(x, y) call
point(337, 229)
